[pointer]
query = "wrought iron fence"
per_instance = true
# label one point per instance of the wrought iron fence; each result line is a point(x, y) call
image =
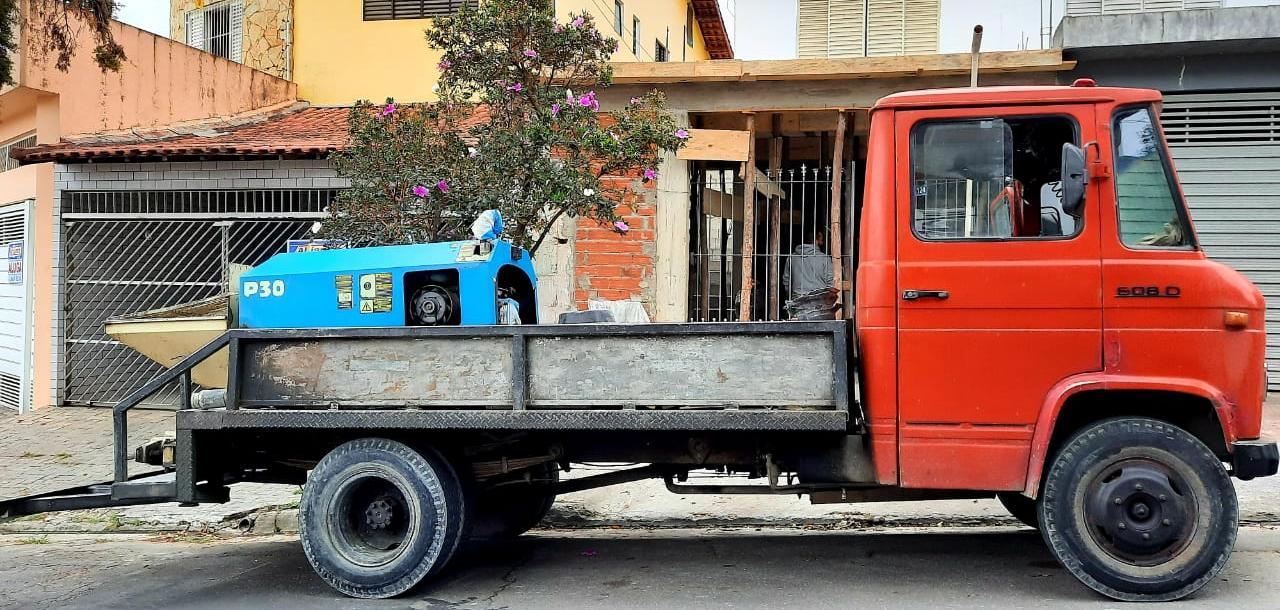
point(127, 252)
point(792, 212)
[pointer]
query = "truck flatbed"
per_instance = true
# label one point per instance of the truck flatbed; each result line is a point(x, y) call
point(721, 376)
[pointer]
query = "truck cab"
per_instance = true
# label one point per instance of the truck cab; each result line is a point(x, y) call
point(1028, 269)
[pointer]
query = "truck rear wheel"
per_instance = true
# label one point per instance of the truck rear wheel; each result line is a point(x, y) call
point(378, 517)
point(1139, 510)
point(508, 511)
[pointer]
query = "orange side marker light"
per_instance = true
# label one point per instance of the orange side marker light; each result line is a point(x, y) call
point(1236, 320)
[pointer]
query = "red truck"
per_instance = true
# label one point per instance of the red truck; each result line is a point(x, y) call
point(1033, 320)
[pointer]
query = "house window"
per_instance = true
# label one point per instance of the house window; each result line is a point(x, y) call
point(688, 26)
point(382, 10)
point(659, 51)
point(218, 28)
point(617, 16)
point(635, 37)
point(7, 162)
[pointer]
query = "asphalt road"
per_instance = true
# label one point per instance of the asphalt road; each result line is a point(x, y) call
point(616, 569)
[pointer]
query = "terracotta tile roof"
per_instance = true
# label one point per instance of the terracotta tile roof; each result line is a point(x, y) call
point(294, 132)
point(299, 131)
point(711, 24)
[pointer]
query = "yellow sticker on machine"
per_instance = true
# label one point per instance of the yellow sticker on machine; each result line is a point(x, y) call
point(375, 292)
point(345, 287)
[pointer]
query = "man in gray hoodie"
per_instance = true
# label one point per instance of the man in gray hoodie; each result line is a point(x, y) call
point(808, 269)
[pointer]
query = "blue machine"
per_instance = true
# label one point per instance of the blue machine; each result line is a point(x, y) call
point(438, 284)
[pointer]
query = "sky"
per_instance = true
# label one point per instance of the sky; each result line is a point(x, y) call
point(766, 29)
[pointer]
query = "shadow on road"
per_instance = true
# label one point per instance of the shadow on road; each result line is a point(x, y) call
point(625, 569)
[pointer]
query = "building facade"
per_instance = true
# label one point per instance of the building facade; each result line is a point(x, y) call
point(340, 51)
point(163, 83)
point(866, 28)
point(1221, 115)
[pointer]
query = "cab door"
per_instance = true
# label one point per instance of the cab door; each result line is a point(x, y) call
point(999, 287)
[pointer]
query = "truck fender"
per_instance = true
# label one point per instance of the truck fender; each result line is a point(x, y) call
point(1064, 390)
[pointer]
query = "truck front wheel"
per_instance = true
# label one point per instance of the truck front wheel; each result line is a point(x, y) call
point(378, 517)
point(1139, 510)
point(1022, 508)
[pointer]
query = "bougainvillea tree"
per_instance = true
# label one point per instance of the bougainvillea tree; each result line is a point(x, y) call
point(517, 128)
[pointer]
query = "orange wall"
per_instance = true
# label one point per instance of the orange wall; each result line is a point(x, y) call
point(161, 83)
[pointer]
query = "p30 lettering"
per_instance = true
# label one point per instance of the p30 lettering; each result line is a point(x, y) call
point(264, 288)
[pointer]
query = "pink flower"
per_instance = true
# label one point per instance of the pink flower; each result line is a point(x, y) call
point(559, 28)
point(621, 227)
point(530, 53)
point(589, 101)
point(683, 134)
point(445, 65)
point(443, 186)
point(388, 109)
point(555, 109)
point(635, 100)
point(577, 22)
point(649, 174)
point(518, 87)
point(419, 191)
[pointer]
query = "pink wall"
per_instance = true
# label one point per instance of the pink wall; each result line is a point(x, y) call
point(162, 82)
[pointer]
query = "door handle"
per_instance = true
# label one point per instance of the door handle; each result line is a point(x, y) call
point(914, 295)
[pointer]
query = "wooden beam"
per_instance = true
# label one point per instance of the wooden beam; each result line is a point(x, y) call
point(748, 225)
point(775, 220)
point(1048, 60)
point(810, 95)
point(835, 241)
point(716, 145)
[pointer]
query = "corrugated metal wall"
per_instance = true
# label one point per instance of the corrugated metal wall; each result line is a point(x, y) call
point(1227, 150)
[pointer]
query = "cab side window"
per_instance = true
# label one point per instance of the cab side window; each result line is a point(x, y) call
point(997, 178)
point(1146, 201)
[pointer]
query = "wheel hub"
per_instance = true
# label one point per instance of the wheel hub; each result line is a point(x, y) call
point(1138, 512)
point(378, 514)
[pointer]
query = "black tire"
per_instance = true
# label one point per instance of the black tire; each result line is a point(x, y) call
point(1139, 510)
point(1022, 508)
point(511, 510)
point(378, 517)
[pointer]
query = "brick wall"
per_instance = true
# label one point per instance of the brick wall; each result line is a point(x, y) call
point(614, 267)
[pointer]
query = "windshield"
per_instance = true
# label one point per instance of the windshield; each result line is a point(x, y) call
point(1147, 202)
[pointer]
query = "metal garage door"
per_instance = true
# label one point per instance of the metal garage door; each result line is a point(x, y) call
point(130, 251)
point(1227, 150)
point(15, 299)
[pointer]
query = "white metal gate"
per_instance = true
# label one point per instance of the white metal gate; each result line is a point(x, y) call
point(15, 308)
point(131, 251)
point(1227, 150)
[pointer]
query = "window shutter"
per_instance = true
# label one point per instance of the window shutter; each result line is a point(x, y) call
point(237, 32)
point(846, 24)
point(921, 27)
point(811, 25)
point(195, 29)
point(886, 26)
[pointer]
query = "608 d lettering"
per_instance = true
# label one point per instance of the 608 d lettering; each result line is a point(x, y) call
point(1149, 292)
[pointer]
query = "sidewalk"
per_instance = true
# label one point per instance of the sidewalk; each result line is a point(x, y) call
point(54, 449)
point(66, 447)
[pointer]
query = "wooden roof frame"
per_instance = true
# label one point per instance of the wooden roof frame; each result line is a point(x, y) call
point(898, 66)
